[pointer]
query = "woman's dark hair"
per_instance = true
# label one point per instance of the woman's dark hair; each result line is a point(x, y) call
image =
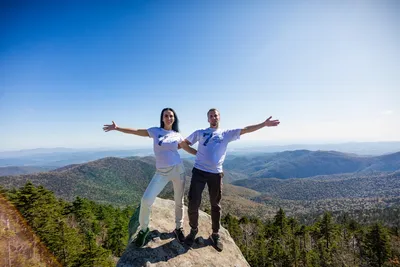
point(175, 125)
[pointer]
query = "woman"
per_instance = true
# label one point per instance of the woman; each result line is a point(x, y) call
point(166, 142)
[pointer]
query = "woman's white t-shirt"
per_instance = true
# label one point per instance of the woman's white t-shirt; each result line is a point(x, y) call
point(165, 145)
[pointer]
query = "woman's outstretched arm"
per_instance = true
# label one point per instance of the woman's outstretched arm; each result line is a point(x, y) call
point(114, 127)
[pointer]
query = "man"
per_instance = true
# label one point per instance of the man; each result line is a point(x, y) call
point(211, 152)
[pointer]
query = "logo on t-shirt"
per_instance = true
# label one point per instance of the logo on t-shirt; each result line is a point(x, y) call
point(216, 138)
point(161, 139)
point(208, 136)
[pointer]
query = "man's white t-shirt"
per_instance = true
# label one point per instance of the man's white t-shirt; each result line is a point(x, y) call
point(165, 145)
point(211, 150)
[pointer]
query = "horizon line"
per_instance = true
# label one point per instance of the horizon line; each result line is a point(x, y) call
point(244, 144)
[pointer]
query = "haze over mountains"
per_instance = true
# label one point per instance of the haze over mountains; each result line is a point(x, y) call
point(16, 170)
point(359, 148)
point(58, 157)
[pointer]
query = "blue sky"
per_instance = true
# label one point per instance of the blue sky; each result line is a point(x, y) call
point(329, 70)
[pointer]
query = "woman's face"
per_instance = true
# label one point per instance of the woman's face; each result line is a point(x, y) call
point(168, 117)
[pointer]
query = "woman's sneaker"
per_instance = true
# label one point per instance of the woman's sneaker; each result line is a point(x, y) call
point(180, 235)
point(141, 238)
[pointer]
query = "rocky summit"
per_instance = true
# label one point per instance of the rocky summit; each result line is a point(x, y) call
point(163, 249)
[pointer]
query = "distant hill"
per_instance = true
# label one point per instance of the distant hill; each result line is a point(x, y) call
point(388, 162)
point(305, 163)
point(110, 180)
point(16, 170)
point(340, 192)
point(328, 186)
point(67, 167)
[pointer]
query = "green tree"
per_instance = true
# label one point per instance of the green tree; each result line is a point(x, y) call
point(93, 255)
point(280, 220)
point(327, 229)
point(377, 245)
point(116, 237)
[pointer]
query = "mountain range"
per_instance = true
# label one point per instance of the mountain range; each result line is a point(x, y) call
point(253, 184)
point(58, 157)
point(305, 163)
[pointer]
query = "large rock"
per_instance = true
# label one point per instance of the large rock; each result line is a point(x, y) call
point(162, 249)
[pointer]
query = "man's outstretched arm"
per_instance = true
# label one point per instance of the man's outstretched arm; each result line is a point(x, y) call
point(267, 123)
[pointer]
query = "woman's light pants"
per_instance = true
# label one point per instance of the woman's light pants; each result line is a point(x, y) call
point(176, 174)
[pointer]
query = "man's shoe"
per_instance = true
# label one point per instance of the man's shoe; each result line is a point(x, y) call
point(141, 238)
point(180, 235)
point(216, 239)
point(189, 240)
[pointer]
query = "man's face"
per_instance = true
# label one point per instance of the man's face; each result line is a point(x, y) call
point(213, 118)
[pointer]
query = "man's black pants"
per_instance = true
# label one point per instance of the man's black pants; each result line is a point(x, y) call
point(214, 182)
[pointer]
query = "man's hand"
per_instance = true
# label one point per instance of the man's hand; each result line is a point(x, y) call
point(110, 127)
point(269, 123)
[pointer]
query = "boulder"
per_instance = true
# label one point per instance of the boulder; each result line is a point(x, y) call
point(163, 249)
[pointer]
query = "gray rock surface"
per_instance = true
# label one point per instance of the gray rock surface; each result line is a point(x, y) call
point(162, 249)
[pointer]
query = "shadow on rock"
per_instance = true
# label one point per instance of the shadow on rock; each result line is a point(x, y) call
point(159, 247)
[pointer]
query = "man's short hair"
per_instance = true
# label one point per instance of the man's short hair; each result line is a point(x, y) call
point(212, 109)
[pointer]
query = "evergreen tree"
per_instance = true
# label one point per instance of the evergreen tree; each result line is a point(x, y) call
point(116, 237)
point(377, 245)
point(326, 244)
point(93, 255)
point(327, 229)
point(280, 220)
